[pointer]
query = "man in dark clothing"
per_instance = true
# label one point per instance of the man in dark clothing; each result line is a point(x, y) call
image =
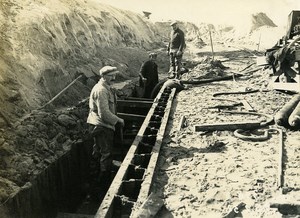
point(149, 75)
point(176, 47)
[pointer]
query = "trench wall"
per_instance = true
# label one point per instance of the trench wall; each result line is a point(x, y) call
point(60, 187)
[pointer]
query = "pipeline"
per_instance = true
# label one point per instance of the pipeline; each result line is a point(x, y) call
point(131, 185)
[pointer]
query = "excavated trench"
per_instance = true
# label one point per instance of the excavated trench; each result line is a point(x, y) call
point(132, 183)
point(61, 189)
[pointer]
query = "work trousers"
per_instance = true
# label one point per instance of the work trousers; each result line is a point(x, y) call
point(102, 148)
point(148, 89)
point(175, 61)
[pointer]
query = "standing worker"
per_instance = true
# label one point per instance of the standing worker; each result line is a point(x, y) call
point(176, 47)
point(102, 116)
point(149, 75)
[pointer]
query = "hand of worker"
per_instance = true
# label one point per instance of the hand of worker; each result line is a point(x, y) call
point(121, 121)
point(144, 79)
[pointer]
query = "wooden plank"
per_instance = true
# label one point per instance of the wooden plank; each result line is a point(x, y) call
point(150, 207)
point(261, 61)
point(181, 123)
point(280, 180)
point(227, 126)
point(294, 87)
point(138, 99)
point(146, 185)
point(134, 103)
point(133, 117)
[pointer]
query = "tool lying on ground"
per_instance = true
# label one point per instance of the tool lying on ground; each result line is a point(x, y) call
point(243, 103)
point(246, 91)
point(202, 81)
point(236, 125)
point(224, 106)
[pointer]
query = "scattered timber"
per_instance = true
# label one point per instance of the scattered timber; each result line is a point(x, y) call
point(227, 126)
point(202, 81)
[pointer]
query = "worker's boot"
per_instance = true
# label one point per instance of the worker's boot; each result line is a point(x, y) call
point(105, 180)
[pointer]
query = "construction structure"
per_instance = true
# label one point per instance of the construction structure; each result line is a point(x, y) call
point(284, 57)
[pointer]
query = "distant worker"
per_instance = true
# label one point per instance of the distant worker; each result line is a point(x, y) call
point(149, 75)
point(176, 48)
point(102, 116)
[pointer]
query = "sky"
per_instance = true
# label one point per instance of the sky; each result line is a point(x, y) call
point(229, 12)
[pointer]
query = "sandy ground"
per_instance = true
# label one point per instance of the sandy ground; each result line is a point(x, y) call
point(207, 174)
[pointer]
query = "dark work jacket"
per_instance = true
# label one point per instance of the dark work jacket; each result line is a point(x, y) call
point(150, 72)
point(177, 40)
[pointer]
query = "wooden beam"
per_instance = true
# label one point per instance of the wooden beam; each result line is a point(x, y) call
point(134, 104)
point(280, 178)
point(227, 126)
point(181, 123)
point(293, 87)
point(138, 99)
point(133, 117)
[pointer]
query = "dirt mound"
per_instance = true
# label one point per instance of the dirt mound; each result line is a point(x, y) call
point(261, 19)
point(44, 46)
point(259, 32)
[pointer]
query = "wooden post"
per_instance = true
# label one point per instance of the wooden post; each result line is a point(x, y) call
point(280, 162)
point(258, 44)
point(211, 43)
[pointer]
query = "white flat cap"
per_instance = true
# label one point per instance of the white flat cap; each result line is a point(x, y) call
point(108, 70)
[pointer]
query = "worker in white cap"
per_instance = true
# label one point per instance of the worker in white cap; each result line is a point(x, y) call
point(102, 116)
point(176, 48)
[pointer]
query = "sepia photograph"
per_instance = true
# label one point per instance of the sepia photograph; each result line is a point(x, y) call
point(149, 109)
